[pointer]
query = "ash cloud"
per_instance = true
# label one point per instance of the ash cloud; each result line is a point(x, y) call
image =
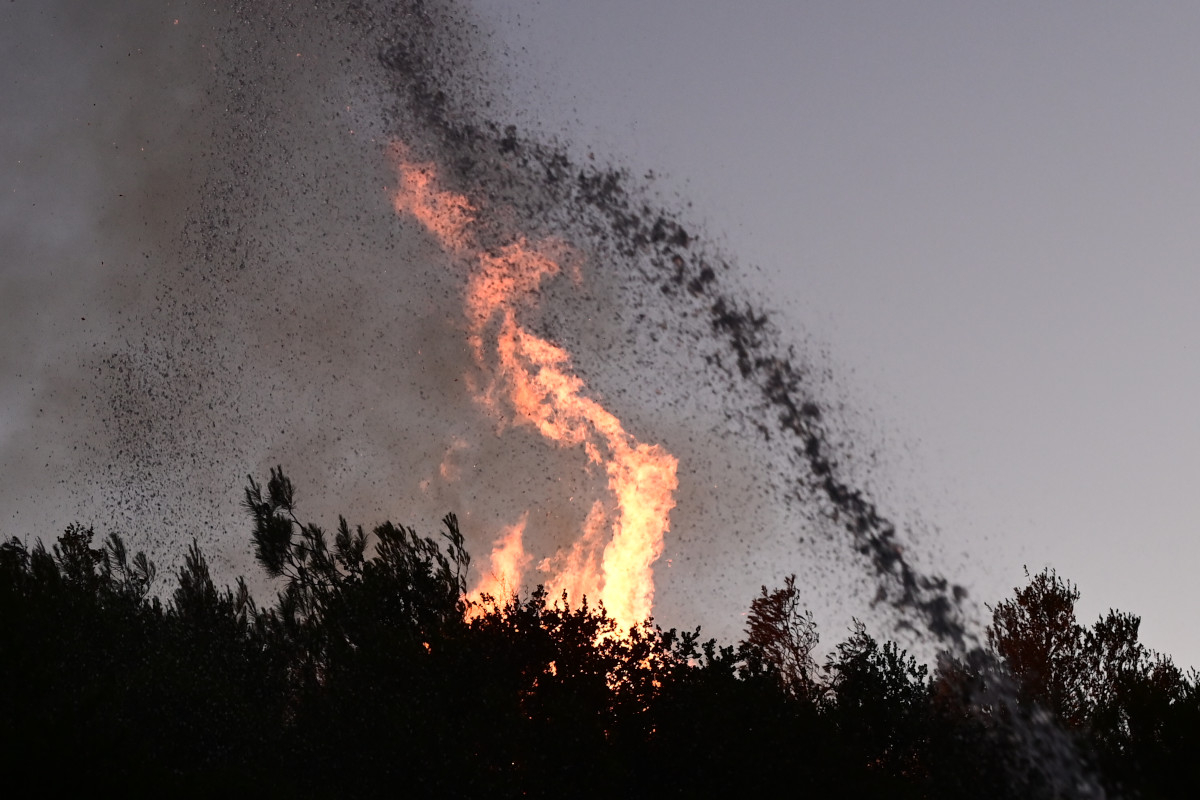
point(655, 274)
point(240, 294)
point(97, 165)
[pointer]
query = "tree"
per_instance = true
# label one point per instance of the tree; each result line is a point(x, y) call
point(783, 636)
point(1039, 639)
point(1132, 707)
point(367, 676)
point(881, 703)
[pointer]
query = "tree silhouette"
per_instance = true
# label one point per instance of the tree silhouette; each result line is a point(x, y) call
point(783, 636)
point(881, 701)
point(1133, 707)
point(371, 673)
point(1038, 637)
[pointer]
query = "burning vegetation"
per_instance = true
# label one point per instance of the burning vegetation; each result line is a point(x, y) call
point(383, 665)
point(528, 381)
point(375, 672)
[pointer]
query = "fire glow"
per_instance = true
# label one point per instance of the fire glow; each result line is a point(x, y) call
point(530, 382)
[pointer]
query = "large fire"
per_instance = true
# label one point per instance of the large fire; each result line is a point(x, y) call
point(530, 379)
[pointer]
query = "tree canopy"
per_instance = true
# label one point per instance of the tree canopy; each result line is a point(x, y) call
point(372, 673)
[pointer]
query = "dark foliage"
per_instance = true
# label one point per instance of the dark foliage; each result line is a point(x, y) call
point(372, 674)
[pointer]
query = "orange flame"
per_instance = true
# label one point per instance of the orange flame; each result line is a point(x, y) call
point(508, 562)
point(532, 377)
point(577, 572)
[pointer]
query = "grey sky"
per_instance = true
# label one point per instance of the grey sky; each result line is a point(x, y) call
point(989, 211)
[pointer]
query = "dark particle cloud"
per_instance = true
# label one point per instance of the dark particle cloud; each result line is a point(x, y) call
point(204, 278)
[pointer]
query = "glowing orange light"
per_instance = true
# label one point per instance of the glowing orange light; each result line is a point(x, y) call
point(531, 380)
point(508, 561)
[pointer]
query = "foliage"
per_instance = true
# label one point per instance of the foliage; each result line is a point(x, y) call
point(371, 673)
point(783, 636)
point(1130, 708)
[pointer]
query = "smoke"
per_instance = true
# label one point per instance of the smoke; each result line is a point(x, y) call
point(690, 326)
point(100, 167)
point(203, 277)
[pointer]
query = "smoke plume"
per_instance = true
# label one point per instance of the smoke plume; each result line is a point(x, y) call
point(204, 277)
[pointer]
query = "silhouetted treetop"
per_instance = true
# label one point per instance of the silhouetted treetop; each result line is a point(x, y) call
point(372, 673)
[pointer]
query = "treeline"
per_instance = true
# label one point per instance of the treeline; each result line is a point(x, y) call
point(372, 675)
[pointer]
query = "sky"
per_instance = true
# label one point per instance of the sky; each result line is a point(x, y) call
point(989, 214)
point(981, 219)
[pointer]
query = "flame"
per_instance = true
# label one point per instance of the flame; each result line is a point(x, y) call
point(531, 379)
point(577, 572)
point(449, 468)
point(508, 562)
